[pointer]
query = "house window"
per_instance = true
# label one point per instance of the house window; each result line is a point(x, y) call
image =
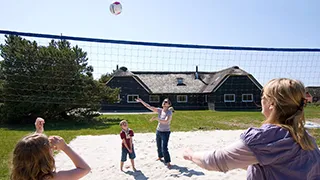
point(206, 98)
point(180, 81)
point(132, 98)
point(154, 98)
point(247, 97)
point(229, 98)
point(182, 98)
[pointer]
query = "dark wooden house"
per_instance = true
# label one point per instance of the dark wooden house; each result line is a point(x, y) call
point(313, 94)
point(228, 89)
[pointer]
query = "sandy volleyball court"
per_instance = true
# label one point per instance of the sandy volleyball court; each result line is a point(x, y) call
point(103, 155)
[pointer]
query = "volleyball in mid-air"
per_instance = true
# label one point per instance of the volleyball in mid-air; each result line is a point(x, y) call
point(116, 8)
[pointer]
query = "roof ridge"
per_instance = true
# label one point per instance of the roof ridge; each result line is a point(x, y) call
point(172, 72)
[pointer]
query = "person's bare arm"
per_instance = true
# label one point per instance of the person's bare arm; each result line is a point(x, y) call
point(82, 168)
point(166, 120)
point(131, 144)
point(154, 109)
point(237, 155)
point(125, 144)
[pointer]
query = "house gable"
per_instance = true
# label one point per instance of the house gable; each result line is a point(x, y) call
point(239, 86)
point(121, 76)
point(252, 79)
point(130, 89)
point(127, 84)
point(221, 76)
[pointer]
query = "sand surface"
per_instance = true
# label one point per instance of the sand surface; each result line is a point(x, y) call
point(103, 155)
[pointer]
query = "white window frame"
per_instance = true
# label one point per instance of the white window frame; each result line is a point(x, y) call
point(247, 95)
point(154, 96)
point(234, 98)
point(130, 95)
point(182, 96)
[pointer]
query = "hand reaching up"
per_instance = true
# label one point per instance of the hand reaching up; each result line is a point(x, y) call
point(57, 143)
point(39, 125)
point(139, 100)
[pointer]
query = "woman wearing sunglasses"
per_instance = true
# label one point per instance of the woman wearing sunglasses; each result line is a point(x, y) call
point(163, 128)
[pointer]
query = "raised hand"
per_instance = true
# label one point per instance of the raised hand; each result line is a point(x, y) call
point(139, 100)
point(39, 125)
point(57, 143)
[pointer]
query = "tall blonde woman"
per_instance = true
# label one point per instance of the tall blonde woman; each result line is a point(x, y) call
point(280, 149)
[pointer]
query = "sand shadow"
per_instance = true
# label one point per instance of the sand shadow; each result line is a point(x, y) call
point(185, 172)
point(137, 175)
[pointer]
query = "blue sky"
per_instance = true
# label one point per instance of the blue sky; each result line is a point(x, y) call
point(270, 23)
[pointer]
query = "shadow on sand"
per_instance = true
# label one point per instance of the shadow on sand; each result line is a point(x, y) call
point(137, 175)
point(185, 172)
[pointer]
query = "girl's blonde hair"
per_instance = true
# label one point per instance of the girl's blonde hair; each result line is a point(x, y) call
point(32, 159)
point(123, 122)
point(288, 98)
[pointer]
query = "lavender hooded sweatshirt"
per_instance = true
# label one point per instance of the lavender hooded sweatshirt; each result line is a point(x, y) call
point(279, 156)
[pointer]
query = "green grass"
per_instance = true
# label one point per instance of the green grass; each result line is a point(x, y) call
point(109, 124)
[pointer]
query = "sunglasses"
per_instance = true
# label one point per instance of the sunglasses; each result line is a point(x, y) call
point(165, 102)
